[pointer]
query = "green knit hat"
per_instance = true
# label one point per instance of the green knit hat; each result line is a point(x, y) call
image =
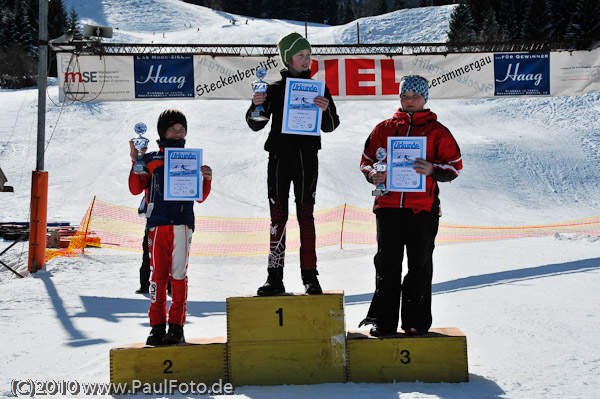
point(290, 45)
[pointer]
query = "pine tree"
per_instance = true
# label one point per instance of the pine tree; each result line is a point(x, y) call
point(491, 31)
point(478, 9)
point(462, 26)
point(57, 19)
point(585, 23)
point(510, 17)
point(560, 17)
point(21, 29)
point(33, 10)
point(348, 11)
point(6, 20)
point(262, 9)
point(331, 13)
point(360, 8)
point(381, 7)
point(398, 5)
point(537, 24)
point(73, 23)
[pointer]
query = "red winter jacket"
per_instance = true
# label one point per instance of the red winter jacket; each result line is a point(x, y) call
point(442, 151)
point(161, 212)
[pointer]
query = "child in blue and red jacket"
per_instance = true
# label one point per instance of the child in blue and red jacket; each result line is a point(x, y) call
point(170, 225)
point(408, 219)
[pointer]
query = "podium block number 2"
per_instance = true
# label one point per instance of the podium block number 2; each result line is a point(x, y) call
point(167, 369)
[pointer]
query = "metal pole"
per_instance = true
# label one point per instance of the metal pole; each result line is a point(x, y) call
point(357, 34)
point(39, 178)
point(42, 83)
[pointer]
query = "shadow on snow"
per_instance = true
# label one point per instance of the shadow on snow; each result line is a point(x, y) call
point(114, 309)
point(506, 277)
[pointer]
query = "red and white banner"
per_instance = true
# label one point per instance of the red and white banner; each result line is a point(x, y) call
point(469, 75)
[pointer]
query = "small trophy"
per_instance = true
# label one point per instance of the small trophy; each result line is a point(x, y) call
point(140, 143)
point(259, 86)
point(380, 166)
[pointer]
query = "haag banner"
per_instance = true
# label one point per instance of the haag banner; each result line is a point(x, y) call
point(363, 77)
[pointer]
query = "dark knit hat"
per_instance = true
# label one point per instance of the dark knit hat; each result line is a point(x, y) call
point(290, 45)
point(415, 83)
point(169, 118)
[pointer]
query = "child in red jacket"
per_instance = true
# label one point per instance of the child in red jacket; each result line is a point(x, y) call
point(408, 219)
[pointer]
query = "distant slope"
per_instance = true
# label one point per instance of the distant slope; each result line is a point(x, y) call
point(181, 22)
point(415, 25)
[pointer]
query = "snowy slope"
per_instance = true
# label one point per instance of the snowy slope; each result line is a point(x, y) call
point(529, 307)
point(146, 21)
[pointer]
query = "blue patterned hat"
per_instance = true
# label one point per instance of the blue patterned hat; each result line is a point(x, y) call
point(415, 83)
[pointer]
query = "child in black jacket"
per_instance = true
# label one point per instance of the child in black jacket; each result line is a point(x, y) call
point(292, 158)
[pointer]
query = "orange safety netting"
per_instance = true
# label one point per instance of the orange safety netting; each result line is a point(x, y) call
point(112, 226)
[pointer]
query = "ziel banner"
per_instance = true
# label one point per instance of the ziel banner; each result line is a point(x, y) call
point(365, 77)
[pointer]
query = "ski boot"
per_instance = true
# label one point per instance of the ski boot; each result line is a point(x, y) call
point(157, 334)
point(143, 290)
point(175, 335)
point(311, 283)
point(274, 284)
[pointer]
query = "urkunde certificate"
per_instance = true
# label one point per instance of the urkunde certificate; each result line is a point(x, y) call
point(402, 152)
point(183, 180)
point(300, 114)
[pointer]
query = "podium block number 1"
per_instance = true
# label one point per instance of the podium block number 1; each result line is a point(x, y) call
point(285, 318)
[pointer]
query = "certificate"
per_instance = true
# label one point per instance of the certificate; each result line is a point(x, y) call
point(183, 180)
point(402, 152)
point(300, 114)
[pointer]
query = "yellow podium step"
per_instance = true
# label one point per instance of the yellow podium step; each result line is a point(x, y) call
point(286, 339)
point(438, 356)
point(285, 317)
point(198, 360)
point(286, 362)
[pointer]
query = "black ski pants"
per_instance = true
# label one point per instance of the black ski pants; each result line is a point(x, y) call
point(145, 268)
point(299, 166)
point(399, 228)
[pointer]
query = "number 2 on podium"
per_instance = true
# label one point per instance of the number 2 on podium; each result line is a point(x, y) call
point(280, 313)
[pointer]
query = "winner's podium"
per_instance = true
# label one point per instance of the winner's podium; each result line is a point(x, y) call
point(296, 339)
point(286, 339)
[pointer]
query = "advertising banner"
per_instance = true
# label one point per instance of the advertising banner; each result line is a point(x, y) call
point(93, 78)
point(348, 77)
point(522, 74)
point(164, 76)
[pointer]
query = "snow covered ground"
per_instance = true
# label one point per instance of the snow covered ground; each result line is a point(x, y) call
point(529, 307)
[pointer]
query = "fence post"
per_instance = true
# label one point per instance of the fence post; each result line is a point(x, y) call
point(342, 229)
point(87, 225)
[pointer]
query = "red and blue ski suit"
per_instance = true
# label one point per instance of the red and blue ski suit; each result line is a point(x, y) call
point(170, 225)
